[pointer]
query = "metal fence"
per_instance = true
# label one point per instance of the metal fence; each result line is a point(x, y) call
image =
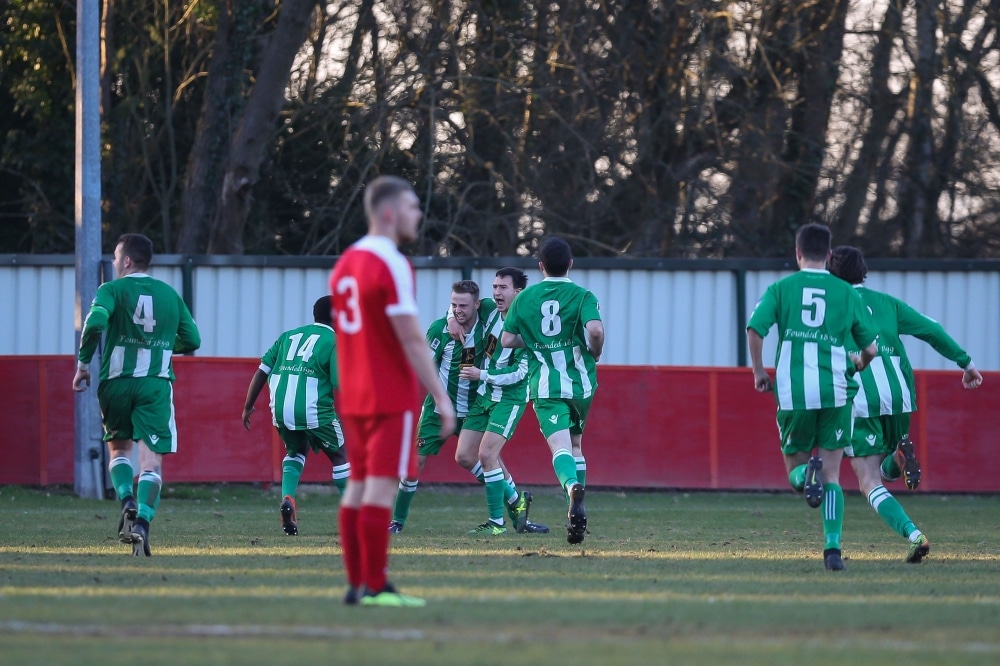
point(656, 312)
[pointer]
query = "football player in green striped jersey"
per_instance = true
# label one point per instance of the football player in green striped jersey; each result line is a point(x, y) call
point(887, 396)
point(146, 322)
point(449, 356)
point(559, 322)
point(819, 317)
point(501, 402)
point(300, 370)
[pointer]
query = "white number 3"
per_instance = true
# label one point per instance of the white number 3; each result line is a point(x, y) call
point(143, 315)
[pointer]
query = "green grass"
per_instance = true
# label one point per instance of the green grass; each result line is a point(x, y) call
point(686, 577)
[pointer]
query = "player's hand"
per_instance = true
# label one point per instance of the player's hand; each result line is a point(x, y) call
point(471, 373)
point(761, 380)
point(448, 419)
point(81, 380)
point(246, 417)
point(971, 378)
point(455, 330)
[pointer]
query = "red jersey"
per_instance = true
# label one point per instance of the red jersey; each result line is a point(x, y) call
point(371, 282)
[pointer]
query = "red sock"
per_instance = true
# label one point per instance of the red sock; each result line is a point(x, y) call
point(373, 525)
point(350, 543)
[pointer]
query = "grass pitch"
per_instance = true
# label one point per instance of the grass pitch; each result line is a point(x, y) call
point(713, 578)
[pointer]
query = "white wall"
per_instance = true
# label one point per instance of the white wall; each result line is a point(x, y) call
point(652, 317)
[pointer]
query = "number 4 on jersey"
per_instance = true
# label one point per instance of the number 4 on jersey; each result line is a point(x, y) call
point(143, 315)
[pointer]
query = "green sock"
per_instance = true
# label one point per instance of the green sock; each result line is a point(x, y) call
point(581, 469)
point(477, 471)
point(891, 511)
point(291, 472)
point(403, 498)
point(510, 493)
point(833, 514)
point(148, 494)
point(797, 477)
point(495, 487)
point(565, 468)
point(890, 470)
point(341, 473)
point(122, 474)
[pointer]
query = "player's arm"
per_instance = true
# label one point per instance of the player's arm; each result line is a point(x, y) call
point(595, 336)
point(755, 343)
point(256, 384)
point(924, 328)
point(865, 334)
point(93, 327)
point(507, 376)
point(407, 330)
point(188, 336)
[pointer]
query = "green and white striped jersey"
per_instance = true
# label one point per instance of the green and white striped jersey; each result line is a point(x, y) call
point(818, 316)
point(887, 385)
point(450, 356)
point(147, 323)
point(301, 367)
point(550, 318)
point(505, 371)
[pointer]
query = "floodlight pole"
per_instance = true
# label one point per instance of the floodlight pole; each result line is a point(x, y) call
point(88, 447)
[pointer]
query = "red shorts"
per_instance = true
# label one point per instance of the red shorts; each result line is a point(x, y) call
point(381, 445)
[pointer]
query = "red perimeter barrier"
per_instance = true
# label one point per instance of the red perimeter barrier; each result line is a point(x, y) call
point(650, 427)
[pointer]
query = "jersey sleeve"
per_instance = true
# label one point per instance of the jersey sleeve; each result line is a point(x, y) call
point(509, 375)
point(591, 309)
point(96, 322)
point(270, 357)
point(397, 287)
point(863, 328)
point(334, 372)
point(511, 323)
point(437, 337)
point(764, 314)
point(188, 336)
point(924, 328)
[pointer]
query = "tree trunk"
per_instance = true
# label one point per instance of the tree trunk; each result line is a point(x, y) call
point(257, 126)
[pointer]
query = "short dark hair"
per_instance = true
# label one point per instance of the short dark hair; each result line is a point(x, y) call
point(138, 248)
point(556, 256)
point(813, 241)
point(384, 188)
point(517, 277)
point(466, 287)
point(848, 263)
point(322, 313)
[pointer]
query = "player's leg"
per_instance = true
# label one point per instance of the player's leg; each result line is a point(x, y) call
point(329, 439)
point(296, 447)
point(356, 429)
point(902, 458)
point(114, 398)
point(834, 431)
point(488, 452)
point(869, 445)
point(429, 443)
point(390, 457)
point(153, 426)
point(797, 434)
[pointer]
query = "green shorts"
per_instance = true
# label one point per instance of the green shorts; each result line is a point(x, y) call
point(555, 414)
point(141, 409)
point(878, 435)
point(802, 430)
point(429, 439)
point(326, 438)
point(502, 417)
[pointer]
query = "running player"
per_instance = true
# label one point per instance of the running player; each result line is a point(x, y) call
point(817, 316)
point(887, 396)
point(300, 369)
point(146, 322)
